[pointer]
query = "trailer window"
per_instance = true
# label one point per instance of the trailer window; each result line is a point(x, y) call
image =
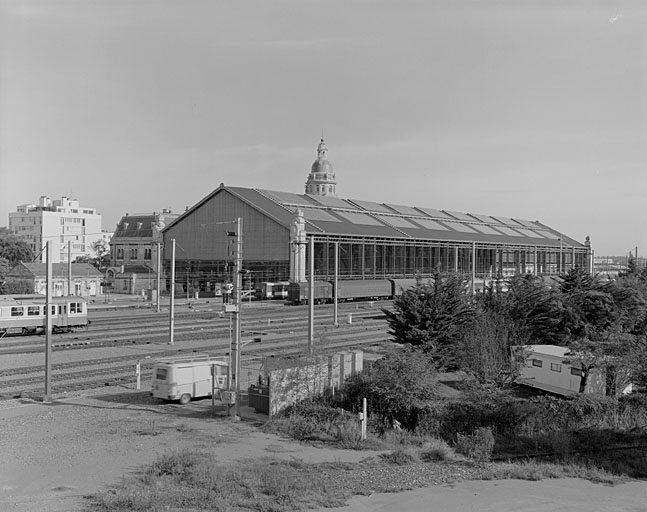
point(160, 374)
point(576, 371)
point(17, 311)
point(556, 367)
point(537, 363)
point(33, 311)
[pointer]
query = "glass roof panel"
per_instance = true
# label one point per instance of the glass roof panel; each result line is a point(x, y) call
point(287, 197)
point(460, 215)
point(434, 213)
point(530, 233)
point(508, 231)
point(430, 224)
point(527, 223)
point(484, 229)
point(404, 210)
point(507, 221)
point(315, 214)
point(359, 218)
point(463, 228)
point(331, 201)
point(371, 206)
point(484, 218)
point(398, 222)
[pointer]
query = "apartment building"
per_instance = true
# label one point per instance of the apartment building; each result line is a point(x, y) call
point(71, 228)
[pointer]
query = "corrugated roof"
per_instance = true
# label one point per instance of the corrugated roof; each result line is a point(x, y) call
point(352, 217)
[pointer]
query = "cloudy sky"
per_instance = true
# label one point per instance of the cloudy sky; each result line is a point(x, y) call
point(534, 109)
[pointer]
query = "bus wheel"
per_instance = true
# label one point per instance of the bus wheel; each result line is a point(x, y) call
point(185, 399)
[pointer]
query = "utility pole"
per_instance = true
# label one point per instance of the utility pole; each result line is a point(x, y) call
point(69, 267)
point(236, 297)
point(48, 324)
point(159, 273)
point(311, 295)
point(172, 302)
point(335, 285)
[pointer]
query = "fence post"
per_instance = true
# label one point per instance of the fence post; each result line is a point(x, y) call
point(138, 373)
point(362, 416)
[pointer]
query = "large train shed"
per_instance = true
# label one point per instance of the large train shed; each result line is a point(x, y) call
point(373, 240)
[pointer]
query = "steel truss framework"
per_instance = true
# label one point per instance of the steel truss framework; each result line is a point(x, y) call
point(380, 258)
point(385, 258)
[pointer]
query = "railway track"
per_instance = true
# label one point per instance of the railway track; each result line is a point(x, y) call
point(190, 325)
point(284, 335)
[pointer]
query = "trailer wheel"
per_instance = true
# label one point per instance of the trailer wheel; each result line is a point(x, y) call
point(185, 398)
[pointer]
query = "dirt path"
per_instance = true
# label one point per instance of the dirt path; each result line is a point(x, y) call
point(54, 454)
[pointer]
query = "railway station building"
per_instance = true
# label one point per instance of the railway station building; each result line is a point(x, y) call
point(372, 240)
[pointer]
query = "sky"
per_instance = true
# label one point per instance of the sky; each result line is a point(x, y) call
point(531, 109)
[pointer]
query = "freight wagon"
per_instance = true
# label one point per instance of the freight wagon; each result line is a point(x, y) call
point(349, 290)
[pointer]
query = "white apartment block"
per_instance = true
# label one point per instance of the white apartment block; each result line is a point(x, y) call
point(70, 228)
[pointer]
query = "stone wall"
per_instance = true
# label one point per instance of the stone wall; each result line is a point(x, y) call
point(294, 379)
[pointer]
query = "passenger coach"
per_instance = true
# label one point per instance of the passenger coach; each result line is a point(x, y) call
point(26, 314)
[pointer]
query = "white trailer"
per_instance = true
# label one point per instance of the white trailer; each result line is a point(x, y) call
point(547, 368)
point(185, 377)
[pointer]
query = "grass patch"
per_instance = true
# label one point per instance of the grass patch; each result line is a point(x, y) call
point(534, 470)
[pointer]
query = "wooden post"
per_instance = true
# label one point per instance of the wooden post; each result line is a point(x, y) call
point(363, 418)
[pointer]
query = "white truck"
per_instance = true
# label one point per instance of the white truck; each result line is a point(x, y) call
point(185, 377)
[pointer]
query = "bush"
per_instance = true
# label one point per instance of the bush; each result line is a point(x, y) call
point(478, 446)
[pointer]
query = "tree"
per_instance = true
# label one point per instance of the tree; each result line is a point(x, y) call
point(536, 309)
point(100, 248)
point(396, 386)
point(432, 316)
point(14, 249)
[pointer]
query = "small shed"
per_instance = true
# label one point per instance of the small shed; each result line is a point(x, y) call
point(85, 279)
point(286, 380)
point(547, 367)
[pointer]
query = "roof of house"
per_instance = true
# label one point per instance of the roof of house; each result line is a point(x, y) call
point(142, 226)
point(354, 217)
point(58, 270)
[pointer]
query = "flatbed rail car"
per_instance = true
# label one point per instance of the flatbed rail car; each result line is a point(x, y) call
point(349, 290)
point(25, 314)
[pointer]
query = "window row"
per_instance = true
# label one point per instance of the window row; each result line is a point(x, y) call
point(75, 308)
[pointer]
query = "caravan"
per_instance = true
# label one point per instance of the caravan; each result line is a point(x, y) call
point(184, 378)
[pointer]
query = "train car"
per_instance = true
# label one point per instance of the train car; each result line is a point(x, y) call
point(280, 290)
point(26, 314)
point(298, 293)
point(401, 285)
point(265, 291)
point(366, 289)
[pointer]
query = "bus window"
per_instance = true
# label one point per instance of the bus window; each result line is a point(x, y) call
point(17, 311)
point(33, 311)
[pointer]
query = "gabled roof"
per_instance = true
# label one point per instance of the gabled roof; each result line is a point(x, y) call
point(58, 270)
point(355, 217)
point(142, 226)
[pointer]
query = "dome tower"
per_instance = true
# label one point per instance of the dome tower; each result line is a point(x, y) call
point(321, 181)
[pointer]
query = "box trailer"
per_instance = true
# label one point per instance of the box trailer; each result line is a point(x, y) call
point(186, 377)
point(547, 367)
